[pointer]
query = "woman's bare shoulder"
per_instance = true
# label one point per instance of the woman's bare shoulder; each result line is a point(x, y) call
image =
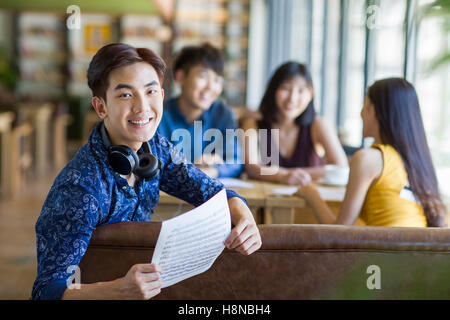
point(367, 161)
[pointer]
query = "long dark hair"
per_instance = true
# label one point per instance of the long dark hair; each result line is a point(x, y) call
point(268, 106)
point(400, 122)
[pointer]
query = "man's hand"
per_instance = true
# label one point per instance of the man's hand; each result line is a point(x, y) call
point(244, 237)
point(141, 282)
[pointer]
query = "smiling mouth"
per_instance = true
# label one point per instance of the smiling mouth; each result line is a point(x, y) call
point(141, 122)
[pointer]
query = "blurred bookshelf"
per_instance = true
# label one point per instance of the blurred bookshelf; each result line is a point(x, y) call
point(41, 54)
point(96, 31)
point(52, 60)
point(142, 31)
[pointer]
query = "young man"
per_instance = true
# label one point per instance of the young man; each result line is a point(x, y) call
point(102, 185)
point(190, 118)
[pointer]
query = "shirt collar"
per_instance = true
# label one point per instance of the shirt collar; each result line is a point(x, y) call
point(96, 141)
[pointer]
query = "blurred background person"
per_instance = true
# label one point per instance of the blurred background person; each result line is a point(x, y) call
point(199, 72)
point(306, 141)
point(393, 183)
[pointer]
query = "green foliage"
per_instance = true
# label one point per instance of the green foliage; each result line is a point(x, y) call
point(437, 9)
point(7, 74)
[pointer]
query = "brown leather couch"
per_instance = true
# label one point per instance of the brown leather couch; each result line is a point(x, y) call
point(294, 262)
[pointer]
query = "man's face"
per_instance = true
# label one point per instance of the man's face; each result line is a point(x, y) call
point(200, 87)
point(134, 104)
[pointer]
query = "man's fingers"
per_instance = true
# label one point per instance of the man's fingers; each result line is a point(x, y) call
point(150, 277)
point(241, 238)
point(152, 285)
point(235, 232)
point(249, 246)
point(150, 293)
point(148, 267)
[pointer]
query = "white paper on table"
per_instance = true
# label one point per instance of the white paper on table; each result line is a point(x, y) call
point(327, 194)
point(285, 191)
point(334, 194)
point(235, 183)
point(190, 243)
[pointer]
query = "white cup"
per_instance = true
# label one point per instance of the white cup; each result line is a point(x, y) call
point(336, 175)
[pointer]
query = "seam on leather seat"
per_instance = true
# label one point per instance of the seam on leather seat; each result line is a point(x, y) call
point(93, 247)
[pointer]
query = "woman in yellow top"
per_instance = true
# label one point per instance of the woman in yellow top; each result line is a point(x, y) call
point(393, 183)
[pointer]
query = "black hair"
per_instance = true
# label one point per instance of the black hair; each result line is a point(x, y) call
point(205, 55)
point(268, 106)
point(116, 55)
point(400, 123)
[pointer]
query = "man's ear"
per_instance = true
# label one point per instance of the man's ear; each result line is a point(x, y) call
point(162, 93)
point(179, 76)
point(99, 107)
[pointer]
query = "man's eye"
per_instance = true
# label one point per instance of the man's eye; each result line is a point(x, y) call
point(152, 91)
point(124, 95)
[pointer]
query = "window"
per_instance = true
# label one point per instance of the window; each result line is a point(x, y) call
point(350, 130)
point(434, 96)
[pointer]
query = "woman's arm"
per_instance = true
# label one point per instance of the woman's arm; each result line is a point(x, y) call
point(250, 145)
point(324, 133)
point(365, 168)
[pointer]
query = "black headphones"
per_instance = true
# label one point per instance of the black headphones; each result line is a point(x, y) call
point(124, 160)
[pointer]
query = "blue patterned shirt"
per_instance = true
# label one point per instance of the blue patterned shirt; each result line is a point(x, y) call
point(88, 193)
point(218, 117)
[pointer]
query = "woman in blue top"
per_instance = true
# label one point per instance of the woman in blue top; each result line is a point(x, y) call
point(117, 176)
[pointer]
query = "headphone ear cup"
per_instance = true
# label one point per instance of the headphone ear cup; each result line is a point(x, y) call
point(148, 167)
point(123, 159)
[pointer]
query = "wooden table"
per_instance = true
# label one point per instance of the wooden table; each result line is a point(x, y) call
point(266, 206)
point(170, 206)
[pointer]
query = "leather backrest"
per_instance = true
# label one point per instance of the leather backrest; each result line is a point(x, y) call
point(294, 262)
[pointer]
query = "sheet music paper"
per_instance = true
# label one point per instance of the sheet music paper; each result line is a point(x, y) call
point(190, 243)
